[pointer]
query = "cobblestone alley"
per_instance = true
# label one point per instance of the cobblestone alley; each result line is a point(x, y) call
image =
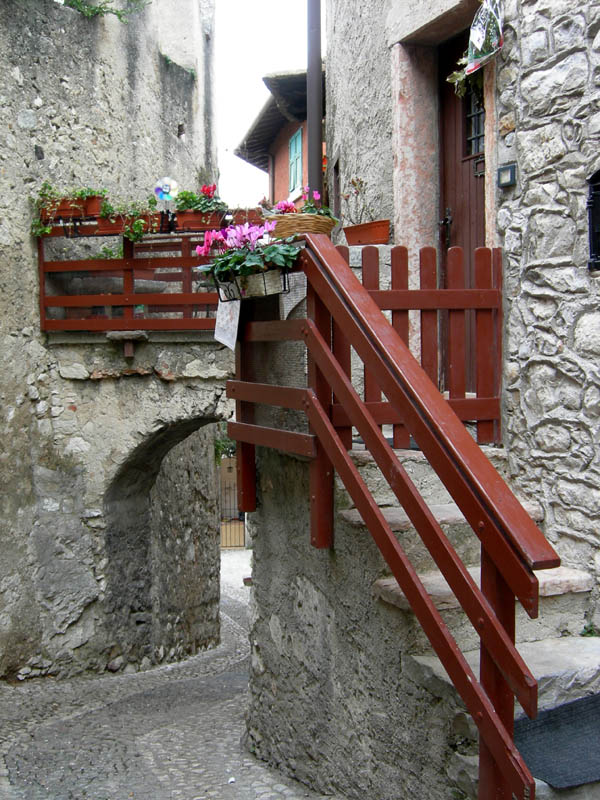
point(171, 733)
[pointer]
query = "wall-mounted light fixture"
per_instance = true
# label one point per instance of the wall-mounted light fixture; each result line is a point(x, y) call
point(507, 175)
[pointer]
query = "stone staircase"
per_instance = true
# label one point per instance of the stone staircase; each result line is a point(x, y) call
point(566, 665)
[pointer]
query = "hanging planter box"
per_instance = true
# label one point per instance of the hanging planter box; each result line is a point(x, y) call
point(262, 284)
point(199, 220)
point(66, 208)
point(377, 232)
point(92, 205)
point(111, 226)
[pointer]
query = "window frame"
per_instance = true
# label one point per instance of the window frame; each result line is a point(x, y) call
point(295, 161)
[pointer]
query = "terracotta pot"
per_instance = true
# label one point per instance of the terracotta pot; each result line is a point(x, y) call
point(66, 208)
point(377, 232)
point(199, 220)
point(109, 226)
point(92, 205)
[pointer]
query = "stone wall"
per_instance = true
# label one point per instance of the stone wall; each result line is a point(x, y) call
point(548, 120)
point(86, 432)
point(359, 110)
point(332, 698)
point(331, 701)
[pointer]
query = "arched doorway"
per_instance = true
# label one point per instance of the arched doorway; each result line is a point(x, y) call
point(162, 548)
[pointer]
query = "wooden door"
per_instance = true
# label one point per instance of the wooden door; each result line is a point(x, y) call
point(462, 182)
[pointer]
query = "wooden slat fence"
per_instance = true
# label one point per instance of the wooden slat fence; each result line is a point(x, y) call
point(155, 285)
point(444, 317)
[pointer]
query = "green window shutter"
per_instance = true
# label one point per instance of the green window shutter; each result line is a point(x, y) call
point(296, 160)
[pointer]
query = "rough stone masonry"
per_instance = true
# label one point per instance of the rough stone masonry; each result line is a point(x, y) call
point(109, 524)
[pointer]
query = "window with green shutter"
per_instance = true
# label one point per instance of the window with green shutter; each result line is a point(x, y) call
point(296, 160)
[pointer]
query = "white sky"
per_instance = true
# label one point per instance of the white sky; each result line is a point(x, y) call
point(253, 38)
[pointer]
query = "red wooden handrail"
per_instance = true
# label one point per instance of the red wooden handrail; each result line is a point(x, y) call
point(490, 507)
point(511, 543)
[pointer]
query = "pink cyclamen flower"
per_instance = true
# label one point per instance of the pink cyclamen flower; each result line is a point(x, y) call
point(211, 238)
point(316, 195)
point(285, 207)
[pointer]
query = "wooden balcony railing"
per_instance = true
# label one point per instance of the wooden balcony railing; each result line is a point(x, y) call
point(342, 314)
point(155, 286)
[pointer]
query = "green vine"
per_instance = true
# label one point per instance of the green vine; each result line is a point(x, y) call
point(224, 446)
point(463, 82)
point(101, 8)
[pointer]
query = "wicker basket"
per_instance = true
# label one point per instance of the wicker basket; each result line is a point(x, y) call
point(292, 224)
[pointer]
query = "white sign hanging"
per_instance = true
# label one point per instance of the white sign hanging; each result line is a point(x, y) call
point(226, 326)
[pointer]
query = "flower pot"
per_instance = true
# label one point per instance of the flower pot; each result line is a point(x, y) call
point(110, 226)
point(377, 232)
point(66, 208)
point(92, 205)
point(292, 224)
point(199, 220)
point(273, 281)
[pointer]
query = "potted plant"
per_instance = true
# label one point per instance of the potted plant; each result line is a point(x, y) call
point(246, 262)
point(199, 211)
point(364, 229)
point(133, 220)
point(311, 217)
point(54, 207)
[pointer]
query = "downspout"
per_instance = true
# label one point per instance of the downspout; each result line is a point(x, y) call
point(314, 97)
point(271, 178)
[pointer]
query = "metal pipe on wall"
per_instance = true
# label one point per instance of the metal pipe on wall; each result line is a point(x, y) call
point(314, 97)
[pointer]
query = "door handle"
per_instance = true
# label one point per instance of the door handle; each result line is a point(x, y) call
point(446, 227)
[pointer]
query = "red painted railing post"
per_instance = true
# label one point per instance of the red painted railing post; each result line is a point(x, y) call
point(400, 323)
point(244, 412)
point(42, 281)
point(341, 349)
point(186, 277)
point(492, 783)
point(321, 469)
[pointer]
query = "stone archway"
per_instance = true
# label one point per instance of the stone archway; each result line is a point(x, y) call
point(162, 548)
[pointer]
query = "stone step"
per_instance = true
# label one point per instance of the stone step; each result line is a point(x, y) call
point(566, 669)
point(420, 472)
point(452, 521)
point(564, 596)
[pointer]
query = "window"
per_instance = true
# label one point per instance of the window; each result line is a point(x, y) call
point(593, 207)
point(475, 124)
point(296, 161)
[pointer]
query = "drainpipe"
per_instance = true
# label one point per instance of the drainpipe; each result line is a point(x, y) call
point(314, 97)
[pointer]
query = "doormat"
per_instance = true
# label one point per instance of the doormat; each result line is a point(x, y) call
point(562, 746)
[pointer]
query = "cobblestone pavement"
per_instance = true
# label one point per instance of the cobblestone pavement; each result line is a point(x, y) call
point(170, 733)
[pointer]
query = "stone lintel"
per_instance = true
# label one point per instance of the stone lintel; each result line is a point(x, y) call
point(428, 22)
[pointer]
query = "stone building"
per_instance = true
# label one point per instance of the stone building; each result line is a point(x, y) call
point(344, 693)
point(277, 141)
point(109, 524)
point(541, 119)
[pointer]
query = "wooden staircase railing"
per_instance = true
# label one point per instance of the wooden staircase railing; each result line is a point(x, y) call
point(512, 545)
